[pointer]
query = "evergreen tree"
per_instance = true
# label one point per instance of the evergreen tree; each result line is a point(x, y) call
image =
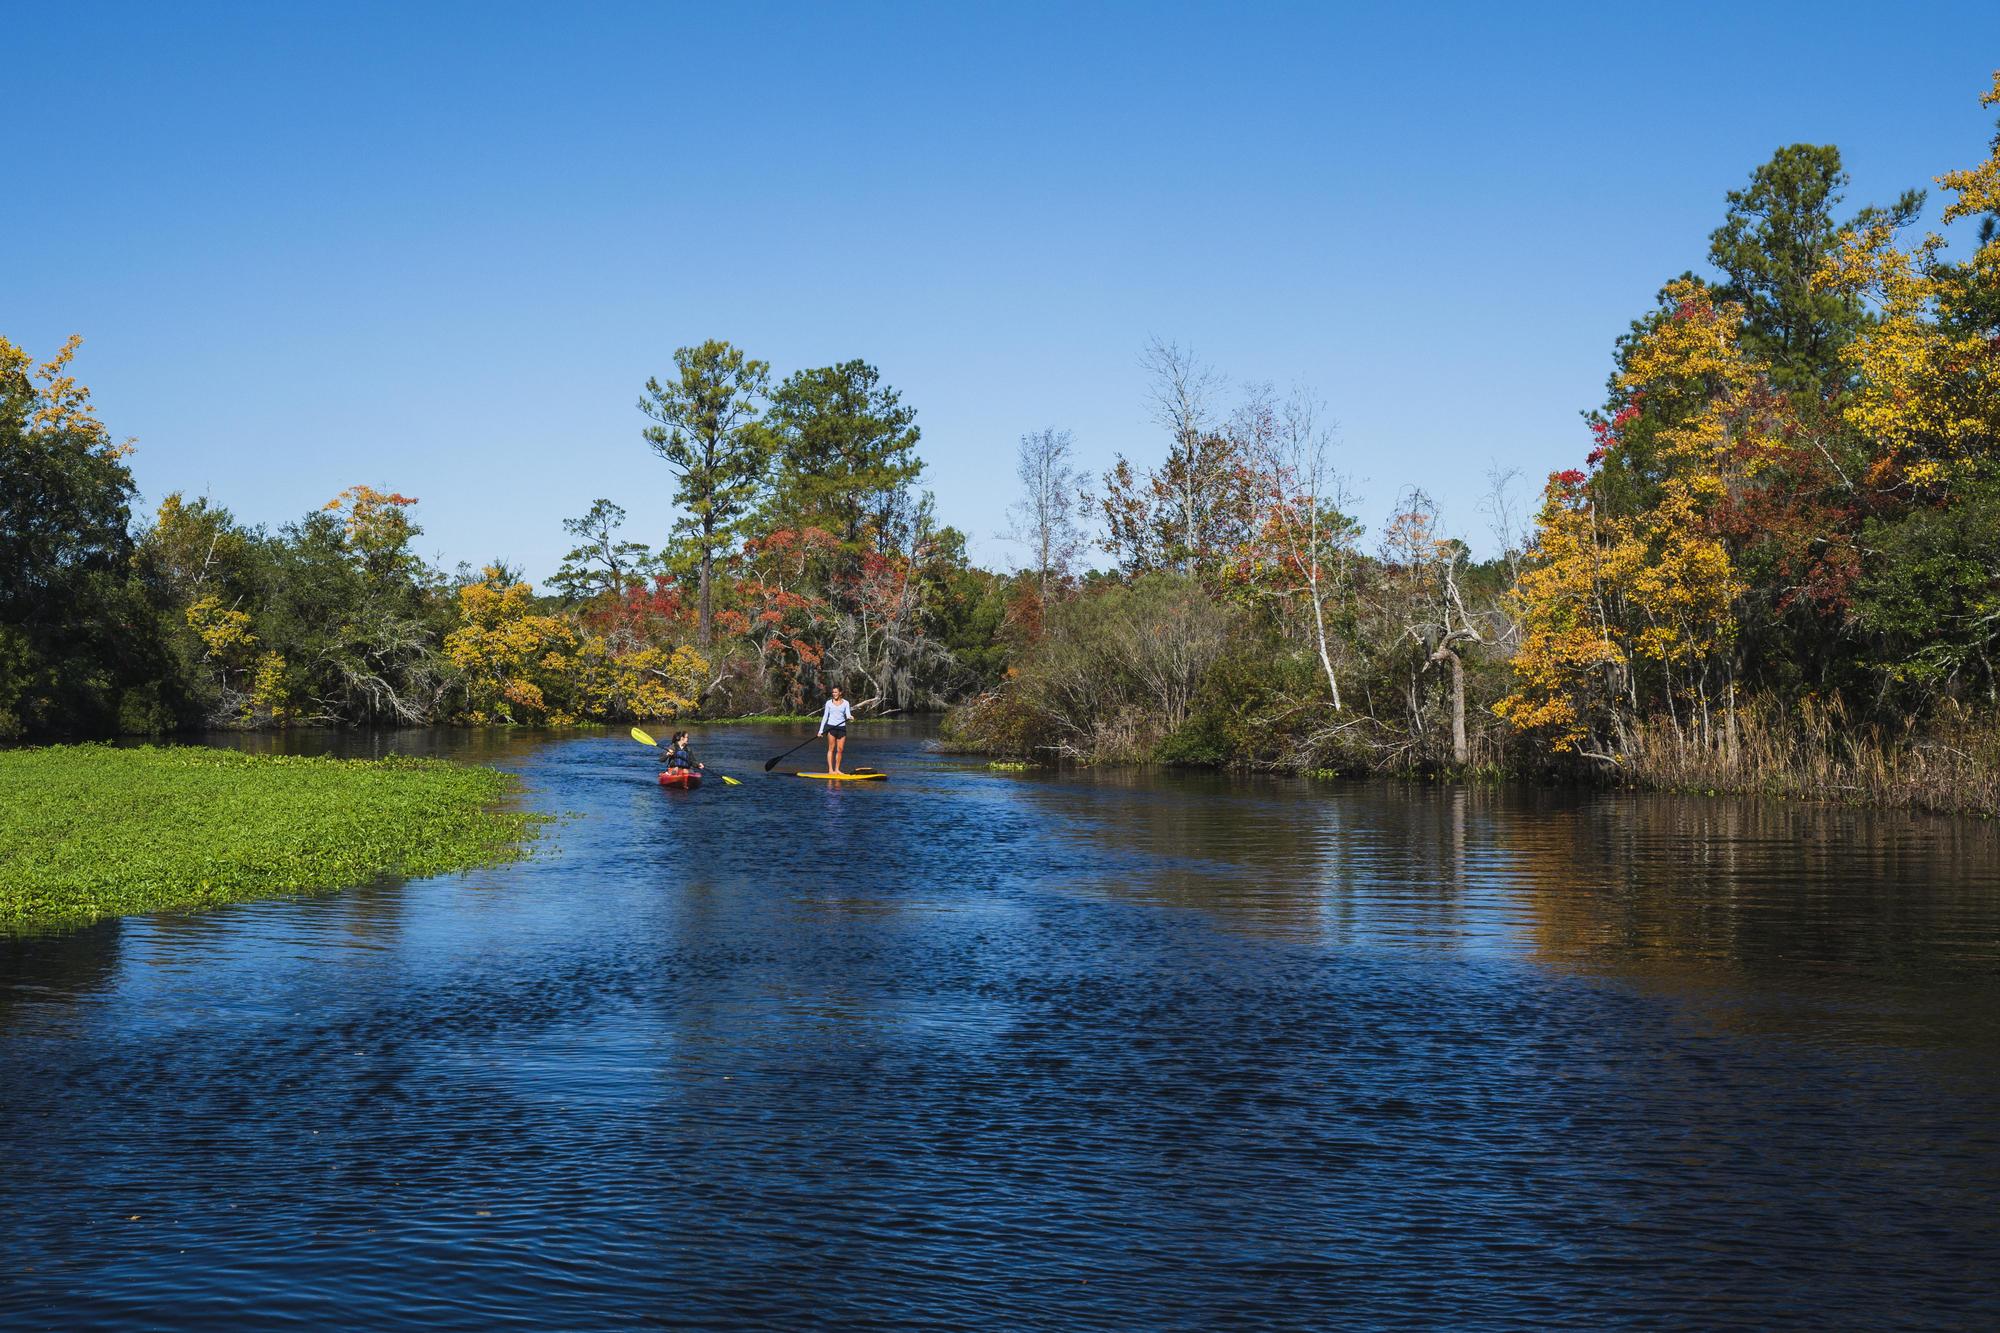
point(601, 563)
point(1778, 234)
point(846, 455)
point(705, 416)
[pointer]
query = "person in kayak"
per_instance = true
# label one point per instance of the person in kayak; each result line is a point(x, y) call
point(833, 719)
point(678, 755)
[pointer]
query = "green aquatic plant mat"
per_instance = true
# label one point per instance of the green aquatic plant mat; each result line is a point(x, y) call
point(92, 831)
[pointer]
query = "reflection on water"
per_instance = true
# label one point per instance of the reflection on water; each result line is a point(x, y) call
point(973, 1050)
point(40, 978)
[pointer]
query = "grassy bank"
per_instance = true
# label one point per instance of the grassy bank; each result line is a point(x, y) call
point(1949, 765)
point(91, 831)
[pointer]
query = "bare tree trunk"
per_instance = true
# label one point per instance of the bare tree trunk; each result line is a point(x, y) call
point(1294, 458)
point(1461, 754)
point(1181, 391)
point(1046, 515)
point(1319, 632)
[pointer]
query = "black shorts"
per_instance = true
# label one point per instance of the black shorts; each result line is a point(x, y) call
point(838, 733)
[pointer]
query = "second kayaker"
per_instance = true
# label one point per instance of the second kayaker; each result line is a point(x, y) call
point(833, 719)
point(678, 755)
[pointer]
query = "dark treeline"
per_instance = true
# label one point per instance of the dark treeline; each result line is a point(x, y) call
point(1774, 565)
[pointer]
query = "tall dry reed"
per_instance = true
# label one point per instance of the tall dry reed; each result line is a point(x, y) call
point(1812, 751)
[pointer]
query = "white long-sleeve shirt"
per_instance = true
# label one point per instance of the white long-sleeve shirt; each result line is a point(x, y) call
point(835, 714)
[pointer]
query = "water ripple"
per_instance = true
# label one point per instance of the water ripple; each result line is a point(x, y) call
point(966, 1050)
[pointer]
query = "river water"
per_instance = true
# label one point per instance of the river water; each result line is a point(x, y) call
point(979, 1050)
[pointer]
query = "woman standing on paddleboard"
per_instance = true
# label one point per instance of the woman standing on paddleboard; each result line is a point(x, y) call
point(833, 725)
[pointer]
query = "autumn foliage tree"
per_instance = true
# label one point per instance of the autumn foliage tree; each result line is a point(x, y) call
point(519, 664)
point(1792, 495)
point(1194, 511)
point(1926, 395)
point(1629, 601)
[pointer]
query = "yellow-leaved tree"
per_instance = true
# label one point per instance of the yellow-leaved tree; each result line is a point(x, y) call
point(1684, 587)
point(1570, 670)
point(1927, 371)
point(1627, 602)
point(514, 663)
point(520, 666)
point(643, 684)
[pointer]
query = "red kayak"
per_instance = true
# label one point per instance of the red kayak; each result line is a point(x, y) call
point(684, 778)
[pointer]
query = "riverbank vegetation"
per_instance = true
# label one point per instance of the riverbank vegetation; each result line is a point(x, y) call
point(92, 831)
point(1946, 762)
point(1771, 567)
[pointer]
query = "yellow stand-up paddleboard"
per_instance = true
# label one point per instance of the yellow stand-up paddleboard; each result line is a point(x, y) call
point(846, 777)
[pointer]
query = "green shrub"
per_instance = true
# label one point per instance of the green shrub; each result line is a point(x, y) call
point(1200, 742)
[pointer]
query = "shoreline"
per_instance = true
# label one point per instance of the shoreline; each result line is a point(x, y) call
point(1872, 793)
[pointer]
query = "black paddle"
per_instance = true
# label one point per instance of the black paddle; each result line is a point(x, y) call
point(775, 760)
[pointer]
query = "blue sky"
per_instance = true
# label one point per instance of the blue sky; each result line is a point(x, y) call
point(439, 248)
